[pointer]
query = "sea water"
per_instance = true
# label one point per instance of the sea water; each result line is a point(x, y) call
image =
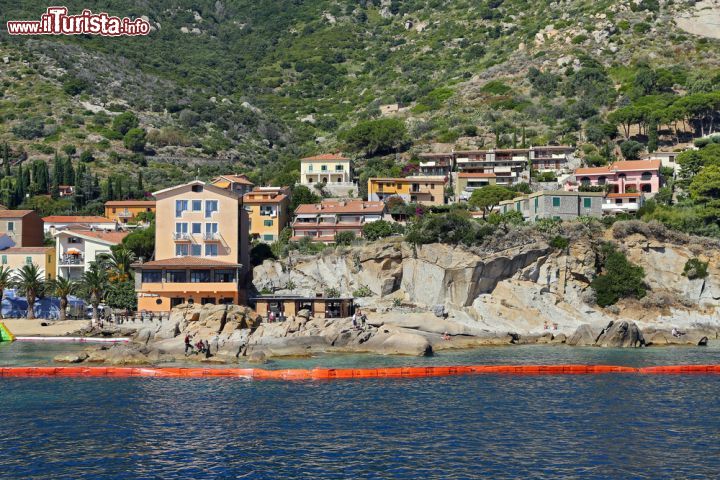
point(489, 426)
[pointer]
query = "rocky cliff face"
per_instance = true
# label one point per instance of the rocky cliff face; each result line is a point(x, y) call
point(520, 288)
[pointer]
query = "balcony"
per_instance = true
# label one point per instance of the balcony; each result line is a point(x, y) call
point(620, 207)
point(125, 214)
point(189, 287)
point(70, 260)
point(181, 237)
point(211, 237)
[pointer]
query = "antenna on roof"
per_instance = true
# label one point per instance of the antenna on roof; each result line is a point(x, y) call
point(197, 175)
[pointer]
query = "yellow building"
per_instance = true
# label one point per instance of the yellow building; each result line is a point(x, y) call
point(423, 190)
point(238, 183)
point(201, 249)
point(44, 257)
point(468, 182)
point(328, 168)
point(267, 208)
point(125, 211)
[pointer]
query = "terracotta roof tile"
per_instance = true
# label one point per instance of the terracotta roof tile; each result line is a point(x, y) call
point(350, 206)
point(242, 179)
point(110, 237)
point(621, 166)
point(189, 262)
point(325, 157)
point(29, 250)
point(15, 213)
point(130, 203)
point(624, 195)
point(76, 219)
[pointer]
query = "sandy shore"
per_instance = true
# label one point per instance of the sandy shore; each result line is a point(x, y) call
point(32, 328)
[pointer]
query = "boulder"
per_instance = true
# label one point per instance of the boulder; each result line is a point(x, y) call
point(390, 341)
point(290, 346)
point(585, 335)
point(257, 357)
point(304, 313)
point(622, 334)
point(71, 358)
point(168, 329)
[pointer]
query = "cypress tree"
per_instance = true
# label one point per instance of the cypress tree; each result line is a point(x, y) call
point(140, 187)
point(6, 159)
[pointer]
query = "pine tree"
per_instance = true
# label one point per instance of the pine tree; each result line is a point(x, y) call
point(140, 186)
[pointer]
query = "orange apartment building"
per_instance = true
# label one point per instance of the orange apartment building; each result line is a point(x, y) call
point(267, 208)
point(425, 190)
point(321, 221)
point(201, 249)
point(125, 211)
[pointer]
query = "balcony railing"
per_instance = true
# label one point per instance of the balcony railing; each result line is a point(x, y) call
point(211, 237)
point(72, 260)
point(124, 214)
point(181, 237)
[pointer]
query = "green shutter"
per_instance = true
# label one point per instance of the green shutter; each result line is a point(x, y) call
point(537, 202)
point(556, 201)
point(587, 202)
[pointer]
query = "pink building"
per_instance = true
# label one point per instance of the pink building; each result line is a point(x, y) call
point(623, 177)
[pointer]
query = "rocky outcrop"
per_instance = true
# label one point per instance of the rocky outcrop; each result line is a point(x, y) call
point(621, 334)
point(584, 336)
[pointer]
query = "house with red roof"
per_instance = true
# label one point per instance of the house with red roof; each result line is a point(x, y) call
point(629, 176)
point(52, 223)
point(321, 221)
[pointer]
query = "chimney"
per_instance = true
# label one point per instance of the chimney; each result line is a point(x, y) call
point(318, 206)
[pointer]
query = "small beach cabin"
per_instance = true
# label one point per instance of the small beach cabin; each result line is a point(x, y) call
point(289, 305)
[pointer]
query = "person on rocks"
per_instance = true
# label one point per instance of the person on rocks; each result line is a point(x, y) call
point(363, 321)
point(206, 345)
point(355, 320)
point(188, 345)
point(677, 333)
point(200, 346)
point(446, 336)
point(271, 316)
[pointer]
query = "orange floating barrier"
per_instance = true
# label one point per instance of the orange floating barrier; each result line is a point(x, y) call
point(328, 373)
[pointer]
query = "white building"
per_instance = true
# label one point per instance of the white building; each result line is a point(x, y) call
point(54, 223)
point(77, 249)
point(615, 203)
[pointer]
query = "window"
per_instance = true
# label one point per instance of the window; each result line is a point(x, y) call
point(587, 202)
point(199, 276)
point(176, 276)
point(181, 250)
point(11, 226)
point(211, 206)
point(74, 240)
point(151, 276)
point(225, 276)
point(113, 210)
point(310, 168)
point(207, 300)
point(602, 180)
point(338, 168)
point(211, 229)
point(556, 201)
point(268, 238)
point(180, 207)
point(266, 210)
point(197, 205)
point(646, 176)
point(585, 181)
point(211, 250)
point(196, 250)
point(197, 188)
point(267, 223)
point(517, 206)
point(4, 259)
point(196, 228)
point(537, 204)
point(28, 260)
point(323, 168)
point(181, 230)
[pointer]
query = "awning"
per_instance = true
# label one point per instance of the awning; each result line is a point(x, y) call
point(72, 251)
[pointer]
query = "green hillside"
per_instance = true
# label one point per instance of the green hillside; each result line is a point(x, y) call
point(251, 86)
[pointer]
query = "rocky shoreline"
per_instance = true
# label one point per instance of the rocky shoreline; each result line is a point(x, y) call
point(419, 299)
point(235, 334)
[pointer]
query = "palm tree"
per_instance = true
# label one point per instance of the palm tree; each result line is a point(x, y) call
point(30, 282)
point(5, 283)
point(93, 286)
point(119, 262)
point(62, 287)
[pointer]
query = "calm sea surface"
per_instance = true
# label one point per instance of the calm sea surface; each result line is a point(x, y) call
point(602, 426)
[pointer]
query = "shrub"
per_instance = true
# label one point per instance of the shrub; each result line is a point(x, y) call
point(332, 292)
point(496, 87)
point(135, 139)
point(344, 238)
point(376, 230)
point(124, 122)
point(376, 137)
point(87, 156)
point(69, 149)
point(631, 149)
point(363, 291)
point(695, 268)
point(74, 86)
point(620, 278)
point(560, 242)
point(29, 129)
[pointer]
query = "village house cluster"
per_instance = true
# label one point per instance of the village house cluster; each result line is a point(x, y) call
point(204, 230)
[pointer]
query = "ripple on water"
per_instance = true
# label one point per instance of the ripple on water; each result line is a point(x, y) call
point(606, 426)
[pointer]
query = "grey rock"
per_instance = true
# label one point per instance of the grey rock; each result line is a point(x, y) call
point(622, 334)
point(585, 335)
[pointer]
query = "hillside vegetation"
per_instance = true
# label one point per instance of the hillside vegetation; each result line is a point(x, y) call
point(252, 86)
